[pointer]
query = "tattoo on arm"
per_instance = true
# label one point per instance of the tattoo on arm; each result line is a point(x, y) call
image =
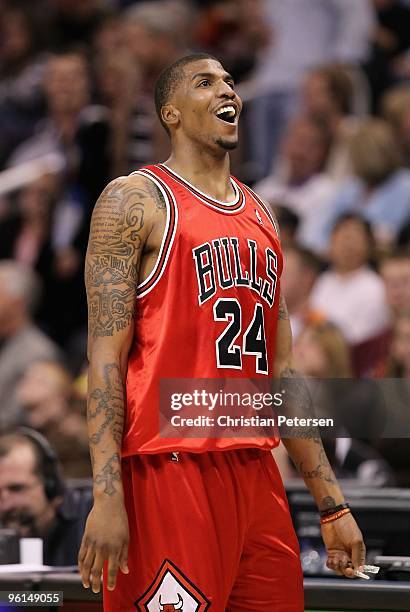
point(111, 272)
point(156, 195)
point(322, 471)
point(110, 405)
point(327, 503)
point(299, 403)
point(283, 309)
point(115, 245)
point(109, 474)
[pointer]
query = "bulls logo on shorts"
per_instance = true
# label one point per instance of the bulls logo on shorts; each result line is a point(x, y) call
point(172, 591)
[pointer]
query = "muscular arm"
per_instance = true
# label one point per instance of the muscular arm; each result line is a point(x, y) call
point(123, 220)
point(342, 537)
point(307, 453)
point(119, 228)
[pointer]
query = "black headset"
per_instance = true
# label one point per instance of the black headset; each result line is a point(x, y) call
point(53, 481)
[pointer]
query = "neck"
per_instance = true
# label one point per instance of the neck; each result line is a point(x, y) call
point(14, 325)
point(347, 271)
point(206, 171)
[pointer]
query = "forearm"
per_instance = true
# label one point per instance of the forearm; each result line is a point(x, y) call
point(105, 418)
point(310, 460)
point(305, 447)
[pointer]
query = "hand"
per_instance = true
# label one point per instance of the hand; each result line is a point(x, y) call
point(105, 538)
point(345, 547)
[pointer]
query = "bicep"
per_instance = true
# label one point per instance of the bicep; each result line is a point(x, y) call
point(119, 229)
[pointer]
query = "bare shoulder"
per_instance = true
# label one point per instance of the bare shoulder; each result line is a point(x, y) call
point(126, 207)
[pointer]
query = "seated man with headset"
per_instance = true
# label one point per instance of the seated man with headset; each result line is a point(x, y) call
point(34, 499)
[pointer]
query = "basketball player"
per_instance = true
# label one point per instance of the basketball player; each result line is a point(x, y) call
point(182, 275)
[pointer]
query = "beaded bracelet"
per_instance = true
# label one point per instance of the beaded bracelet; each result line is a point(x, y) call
point(335, 516)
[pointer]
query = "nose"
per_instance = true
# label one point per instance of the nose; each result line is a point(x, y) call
point(226, 91)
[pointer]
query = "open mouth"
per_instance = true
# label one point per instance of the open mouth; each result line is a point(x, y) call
point(227, 114)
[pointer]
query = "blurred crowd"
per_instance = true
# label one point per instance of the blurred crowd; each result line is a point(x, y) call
point(325, 140)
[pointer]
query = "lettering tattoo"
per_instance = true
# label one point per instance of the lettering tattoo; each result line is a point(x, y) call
point(109, 405)
point(111, 272)
point(322, 471)
point(109, 474)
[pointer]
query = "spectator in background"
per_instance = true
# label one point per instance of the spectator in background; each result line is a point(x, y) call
point(300, 181)
point(395, 446)
point(235, 31)
point(327, 94)
point(288, 222)
point(389, 61)
point(21, 75)
point(45, 395)
point(108, 36)
point(321, 352)
point(155, 34)
point(73, 128)
point(400, 348)
point(112, 68)
point(21, 343)
point(300, 273)
point(306, 33)
point(396, 110)
point(34, 499)
point(380, 190)
point(350, 293)
point(80, 133)
point(25, 234)
point(395, 272)
point(73, 22)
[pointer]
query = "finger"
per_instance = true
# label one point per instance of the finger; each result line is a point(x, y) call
point(349, 572)
point(333, 564)
point(358, 555)
point(344, 561)
point(124, 560)
point(112, 571)
point(86, 566)
point(96, 571)
point(83, 551)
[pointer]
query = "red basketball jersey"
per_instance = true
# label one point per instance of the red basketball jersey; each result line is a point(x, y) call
point(208, 309)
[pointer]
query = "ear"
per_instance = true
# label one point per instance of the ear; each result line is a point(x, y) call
point(170, 115)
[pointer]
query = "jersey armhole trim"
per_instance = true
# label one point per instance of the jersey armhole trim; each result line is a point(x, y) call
point(265, 209)
point(167, 239)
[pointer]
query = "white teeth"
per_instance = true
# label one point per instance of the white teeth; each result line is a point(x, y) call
point(227, 109)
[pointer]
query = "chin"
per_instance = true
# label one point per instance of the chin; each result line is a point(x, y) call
point(227, 145)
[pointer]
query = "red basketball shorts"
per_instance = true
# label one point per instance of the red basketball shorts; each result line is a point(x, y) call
point(211, 531)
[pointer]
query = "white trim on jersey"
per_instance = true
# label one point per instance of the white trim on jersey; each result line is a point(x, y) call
point(265, 209)
point(198, 193)
point(159, 183)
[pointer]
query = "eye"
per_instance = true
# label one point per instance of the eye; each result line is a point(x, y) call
point(204, 83)
point(231, 84)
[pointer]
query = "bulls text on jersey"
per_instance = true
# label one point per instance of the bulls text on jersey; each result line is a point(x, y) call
point(219, 265)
